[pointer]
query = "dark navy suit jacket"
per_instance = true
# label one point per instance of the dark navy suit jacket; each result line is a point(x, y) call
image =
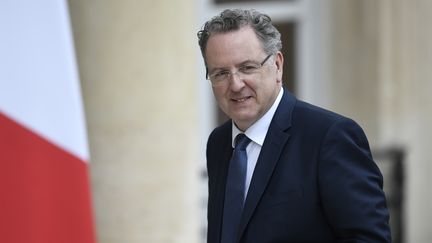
point(314, 181)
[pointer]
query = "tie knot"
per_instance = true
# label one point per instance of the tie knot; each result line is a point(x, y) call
point(241, 141)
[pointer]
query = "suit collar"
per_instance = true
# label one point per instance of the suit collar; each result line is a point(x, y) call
point(283, 115)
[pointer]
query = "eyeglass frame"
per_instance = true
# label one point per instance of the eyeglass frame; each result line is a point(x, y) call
point(232, 74)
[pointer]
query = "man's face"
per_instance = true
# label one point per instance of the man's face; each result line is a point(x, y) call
point(244, 98)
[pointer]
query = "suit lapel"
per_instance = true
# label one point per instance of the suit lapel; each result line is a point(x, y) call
point(274, 143)
point(226, 150)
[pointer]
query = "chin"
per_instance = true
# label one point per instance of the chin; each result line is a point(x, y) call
point(243, 119)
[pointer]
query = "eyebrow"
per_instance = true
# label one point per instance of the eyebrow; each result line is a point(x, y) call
point(236, 65)
point(247, 62)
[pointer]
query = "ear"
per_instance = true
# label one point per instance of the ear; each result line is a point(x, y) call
point(279, 65)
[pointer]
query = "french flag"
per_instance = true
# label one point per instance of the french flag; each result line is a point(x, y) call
point(44, 183)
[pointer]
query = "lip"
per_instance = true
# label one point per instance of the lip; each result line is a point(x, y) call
point(241, 99)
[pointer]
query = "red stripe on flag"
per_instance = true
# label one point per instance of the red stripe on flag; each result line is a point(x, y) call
point(44, 190)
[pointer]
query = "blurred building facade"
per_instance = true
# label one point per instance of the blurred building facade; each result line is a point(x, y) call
point(149, 108)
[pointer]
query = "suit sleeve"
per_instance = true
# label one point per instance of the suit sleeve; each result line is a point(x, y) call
point(351, 186)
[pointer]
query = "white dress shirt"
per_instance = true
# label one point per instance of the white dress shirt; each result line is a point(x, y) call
point(257, 133)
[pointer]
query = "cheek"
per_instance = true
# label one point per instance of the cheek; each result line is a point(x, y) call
point(217, 91)
point(219, 94)
point(267, 93)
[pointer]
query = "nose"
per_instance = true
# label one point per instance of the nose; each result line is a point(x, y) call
point(236, 82)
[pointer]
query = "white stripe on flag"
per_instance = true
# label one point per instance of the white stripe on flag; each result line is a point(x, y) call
point(39, 84)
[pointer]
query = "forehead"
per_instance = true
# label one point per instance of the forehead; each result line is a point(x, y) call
point(233, 47)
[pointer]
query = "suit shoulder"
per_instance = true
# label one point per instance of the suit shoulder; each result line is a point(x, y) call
point(317, 115)
point(220, 133)
point(317, 120)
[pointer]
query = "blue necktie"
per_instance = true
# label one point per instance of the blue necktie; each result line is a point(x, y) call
point(235, 190)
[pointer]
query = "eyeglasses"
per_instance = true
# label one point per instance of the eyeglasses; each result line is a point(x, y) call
point(245, 71)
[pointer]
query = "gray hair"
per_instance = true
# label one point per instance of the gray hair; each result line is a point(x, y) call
point(234, 19)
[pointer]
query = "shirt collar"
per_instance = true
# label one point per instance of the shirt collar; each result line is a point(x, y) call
point(258, 131)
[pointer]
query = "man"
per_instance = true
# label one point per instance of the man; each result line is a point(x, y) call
point(297, 173)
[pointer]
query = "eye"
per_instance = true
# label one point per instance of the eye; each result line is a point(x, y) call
point(221, 74)
point(247, 69)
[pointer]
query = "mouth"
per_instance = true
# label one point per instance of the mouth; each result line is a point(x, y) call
point(240, 100)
